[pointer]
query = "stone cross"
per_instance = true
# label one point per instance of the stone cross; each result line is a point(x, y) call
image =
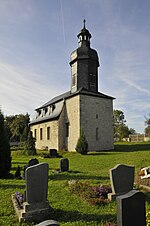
point(131, 209)
point(122, 180)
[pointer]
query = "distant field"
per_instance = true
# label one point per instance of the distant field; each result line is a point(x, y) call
point(69, 209)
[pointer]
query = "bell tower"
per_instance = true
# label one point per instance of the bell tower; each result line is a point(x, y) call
point(84, 64)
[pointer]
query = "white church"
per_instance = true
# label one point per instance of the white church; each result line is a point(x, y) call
point(58, 123)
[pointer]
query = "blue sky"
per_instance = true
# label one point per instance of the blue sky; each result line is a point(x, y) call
point(38, 36)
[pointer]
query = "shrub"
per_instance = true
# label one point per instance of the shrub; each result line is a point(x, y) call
point(82, 144)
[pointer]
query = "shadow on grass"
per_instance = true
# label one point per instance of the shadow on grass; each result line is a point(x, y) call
point(98, 153)
point(131, 147)
point(11, 186)
point(75, 176)
point(20, 163)
point(75, 216)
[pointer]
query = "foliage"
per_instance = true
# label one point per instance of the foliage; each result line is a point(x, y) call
point(17, 127)
point(30, 144)
point(5, 154)
point(132, 131)
point(147, 129)
point(82, 144)
point(148, 218)
point(18, 130)
point(121, 130)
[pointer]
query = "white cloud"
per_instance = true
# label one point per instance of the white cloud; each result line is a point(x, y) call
point(21, 91)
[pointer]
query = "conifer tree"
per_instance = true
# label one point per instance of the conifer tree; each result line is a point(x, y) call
point(82, 144)
point(5, 154)
point(30, 144)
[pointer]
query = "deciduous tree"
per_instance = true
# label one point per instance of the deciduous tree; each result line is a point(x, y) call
point(121, 130)
point(147, 129)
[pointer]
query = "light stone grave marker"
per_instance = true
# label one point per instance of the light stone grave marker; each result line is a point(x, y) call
point(122, 180)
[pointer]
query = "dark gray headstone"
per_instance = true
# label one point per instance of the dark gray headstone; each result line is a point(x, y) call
point(53, 153)
point(122, 180)
point(131, 209)
point(33, 162)
point(37, 183)
point(17, 173)
point(64, 165)
point(49, 223)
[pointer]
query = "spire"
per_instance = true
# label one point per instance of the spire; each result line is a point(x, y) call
point(84, 23)
point(84, 36)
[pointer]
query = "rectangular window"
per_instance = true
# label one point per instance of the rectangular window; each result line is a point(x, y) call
point(97, 133)
point(48, 133)
point(35, 133)
point(67, 129)
point(41, 134)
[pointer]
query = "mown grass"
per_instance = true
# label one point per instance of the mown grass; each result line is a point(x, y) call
point(68, 208)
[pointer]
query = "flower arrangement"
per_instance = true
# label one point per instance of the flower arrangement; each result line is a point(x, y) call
point(20, 198)
point(95, 195)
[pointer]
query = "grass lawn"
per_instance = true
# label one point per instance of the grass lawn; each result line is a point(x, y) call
point(68, 208)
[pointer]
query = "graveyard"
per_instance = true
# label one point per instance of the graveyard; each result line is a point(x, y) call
point(71, 207)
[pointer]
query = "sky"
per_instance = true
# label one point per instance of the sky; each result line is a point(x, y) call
point(38, 36)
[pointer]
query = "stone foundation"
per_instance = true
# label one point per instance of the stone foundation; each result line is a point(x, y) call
point(35, 212)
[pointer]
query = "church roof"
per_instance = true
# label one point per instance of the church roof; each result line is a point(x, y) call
point(52, 109)
point(68, 94)
point(48, 113)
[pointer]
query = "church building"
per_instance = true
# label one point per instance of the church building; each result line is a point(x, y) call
point(58, 123)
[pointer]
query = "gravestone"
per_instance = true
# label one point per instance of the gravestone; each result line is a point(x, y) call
point(53, 153)
point(131, 209)
point(17, 173)
point(49, 223)
point(122, 180)
point(33, 162)
point(37, 183)
point(36, 206)
point(64, 165)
